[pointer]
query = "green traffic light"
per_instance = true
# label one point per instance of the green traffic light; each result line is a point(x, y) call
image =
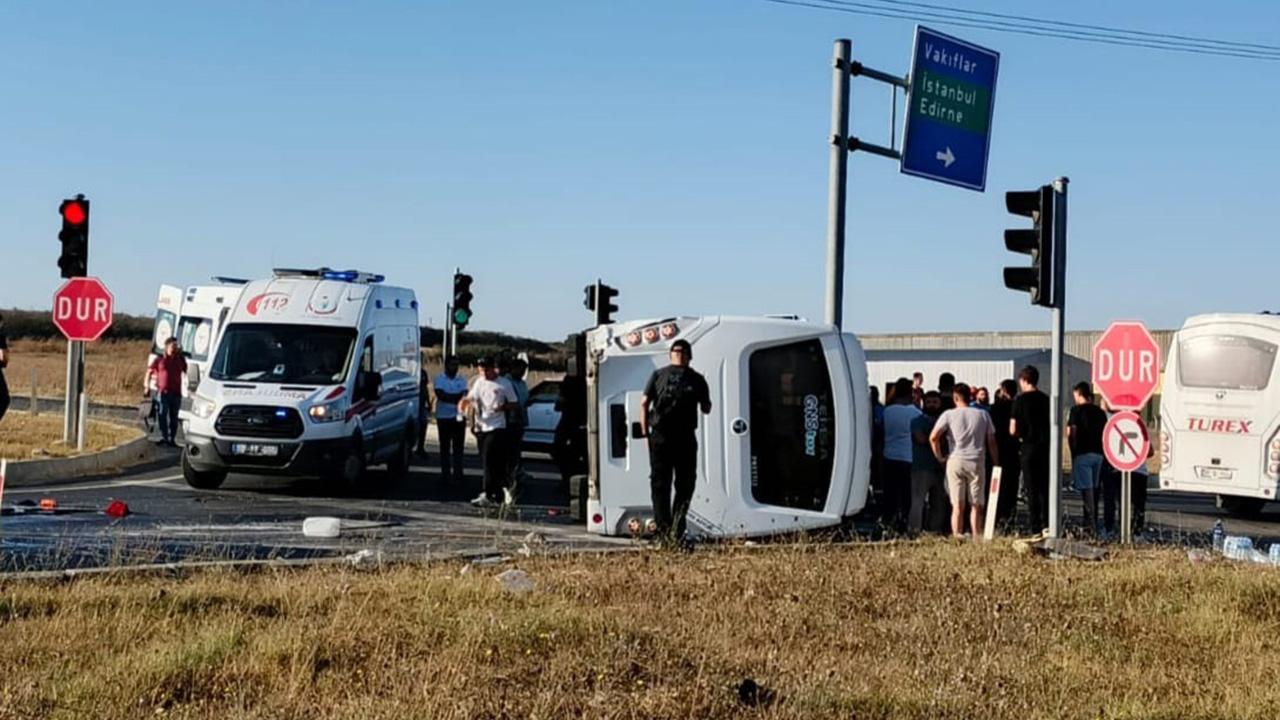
point(461, 317)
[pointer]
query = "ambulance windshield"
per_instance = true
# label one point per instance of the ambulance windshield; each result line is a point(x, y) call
point(792, 426)
point(1225, 362)
point(283, 354)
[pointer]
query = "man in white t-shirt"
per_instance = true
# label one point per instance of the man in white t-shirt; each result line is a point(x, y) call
point(970, 436)
point(896, 470)
point(490, 398)
point(451, 426)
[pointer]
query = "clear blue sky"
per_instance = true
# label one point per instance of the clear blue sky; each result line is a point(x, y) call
point(677, 149)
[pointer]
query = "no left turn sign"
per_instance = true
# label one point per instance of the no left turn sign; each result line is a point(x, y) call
point(1125, 441)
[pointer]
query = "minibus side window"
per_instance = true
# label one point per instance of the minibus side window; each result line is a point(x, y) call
point(792, 425)
point(1225, 362)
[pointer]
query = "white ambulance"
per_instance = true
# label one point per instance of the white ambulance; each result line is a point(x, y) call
point(787, 445)
point(1220, 410)
point(194, 316)
point(315, 373)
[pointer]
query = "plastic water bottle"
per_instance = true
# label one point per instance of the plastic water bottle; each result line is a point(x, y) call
point(1219, 532)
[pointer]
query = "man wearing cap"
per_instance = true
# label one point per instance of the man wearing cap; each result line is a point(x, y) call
point(4, 361)
point(490, 398)
point(668, 414)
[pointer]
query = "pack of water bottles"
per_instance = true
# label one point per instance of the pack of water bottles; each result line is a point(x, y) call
point(1238, 547)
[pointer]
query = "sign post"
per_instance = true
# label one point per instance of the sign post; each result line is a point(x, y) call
point(1126, 370)
point(947, 133)
point(82, 310)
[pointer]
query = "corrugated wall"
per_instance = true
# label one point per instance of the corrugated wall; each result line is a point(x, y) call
point(1079, 343)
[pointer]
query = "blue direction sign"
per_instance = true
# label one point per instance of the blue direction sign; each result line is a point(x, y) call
point(948, 128)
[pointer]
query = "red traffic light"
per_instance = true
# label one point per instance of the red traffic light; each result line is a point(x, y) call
point(73, 212)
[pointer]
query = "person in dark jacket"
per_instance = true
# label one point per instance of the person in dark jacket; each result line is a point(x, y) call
point(669, 416)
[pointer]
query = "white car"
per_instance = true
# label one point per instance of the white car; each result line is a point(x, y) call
point(540, 434)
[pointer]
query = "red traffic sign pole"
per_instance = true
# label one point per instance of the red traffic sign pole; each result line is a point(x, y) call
point(1126, 444)
point(1126, 365)
point(83, 309)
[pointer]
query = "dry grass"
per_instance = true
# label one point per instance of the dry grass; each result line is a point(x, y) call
point(113, 370)
point(920, 630)
point(24, 436)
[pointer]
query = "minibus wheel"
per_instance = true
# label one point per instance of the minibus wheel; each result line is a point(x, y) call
point(1241, 506)
point(202, 480)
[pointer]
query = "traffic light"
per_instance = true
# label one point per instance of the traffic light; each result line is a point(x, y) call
point(1036, 242)
point(74, 261)
point(599, 301)
point(605, 308)
point(461, 300)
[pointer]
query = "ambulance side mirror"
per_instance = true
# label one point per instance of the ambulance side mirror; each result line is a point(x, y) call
point(637, 431)
point(369, 385)
point(193, 377)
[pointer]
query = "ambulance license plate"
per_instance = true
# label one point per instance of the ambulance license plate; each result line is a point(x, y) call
point(1215, 473)
point(255, 449)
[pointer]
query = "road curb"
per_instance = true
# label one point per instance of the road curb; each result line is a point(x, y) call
point(54, 471)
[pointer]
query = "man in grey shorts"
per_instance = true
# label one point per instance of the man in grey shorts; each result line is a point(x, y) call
point(970, 436)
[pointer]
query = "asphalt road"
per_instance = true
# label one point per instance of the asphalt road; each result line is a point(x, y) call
point(252, 517)
point(418, 518)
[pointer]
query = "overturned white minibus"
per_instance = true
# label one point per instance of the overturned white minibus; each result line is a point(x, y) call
point(786, 447)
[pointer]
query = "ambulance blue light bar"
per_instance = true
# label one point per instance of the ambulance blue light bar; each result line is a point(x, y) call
point(325, 273)
point(351, 276)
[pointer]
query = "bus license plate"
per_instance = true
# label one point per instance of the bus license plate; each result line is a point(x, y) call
point(255, 449)
point(1216, 473)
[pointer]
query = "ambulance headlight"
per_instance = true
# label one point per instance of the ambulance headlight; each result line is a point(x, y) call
point(202, 407)
point(332, 411)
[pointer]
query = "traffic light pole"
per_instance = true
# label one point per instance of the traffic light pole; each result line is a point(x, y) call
point(71, 419)
point(1056, 374)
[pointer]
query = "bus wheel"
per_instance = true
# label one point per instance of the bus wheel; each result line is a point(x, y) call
point(202, 480)
point(1241, 506)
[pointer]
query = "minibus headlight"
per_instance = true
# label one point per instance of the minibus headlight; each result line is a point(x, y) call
point(332, 411)
point(202, 407)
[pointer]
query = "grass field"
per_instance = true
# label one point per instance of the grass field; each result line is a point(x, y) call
point(918, 630)
point(114, 370)
point(22, 435)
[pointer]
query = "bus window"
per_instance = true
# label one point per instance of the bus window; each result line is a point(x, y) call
point(1225, 362)
point(792, 426)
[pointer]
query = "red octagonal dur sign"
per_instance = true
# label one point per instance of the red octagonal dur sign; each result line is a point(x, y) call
point(82, 309)
point(1126, 365)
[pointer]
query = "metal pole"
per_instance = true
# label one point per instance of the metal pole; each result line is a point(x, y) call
point(69, 407)
point(84, 421)
point(445, 350)
point(35, 391)
point(838, 178)
point(1126, 508)
point(893, 117)
point(1057, 375)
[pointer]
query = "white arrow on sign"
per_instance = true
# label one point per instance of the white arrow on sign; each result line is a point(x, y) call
point(946, 157)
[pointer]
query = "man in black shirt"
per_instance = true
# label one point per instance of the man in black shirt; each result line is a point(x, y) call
point(668, 414)
point(1030, 424)
point(4, 361)
point(1001, 414)
point(1084, 433)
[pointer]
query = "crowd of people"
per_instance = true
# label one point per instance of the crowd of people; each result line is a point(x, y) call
point(497, 401)
point(933, 453)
